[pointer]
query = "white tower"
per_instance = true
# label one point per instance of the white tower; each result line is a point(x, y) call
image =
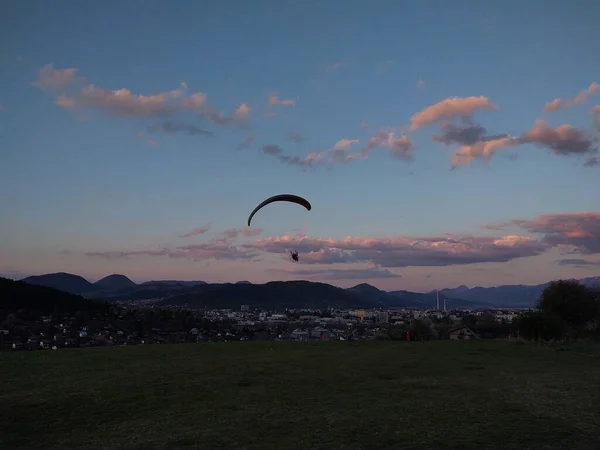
point(437, 304)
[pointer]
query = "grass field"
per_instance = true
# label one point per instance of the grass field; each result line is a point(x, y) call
point(336, 395)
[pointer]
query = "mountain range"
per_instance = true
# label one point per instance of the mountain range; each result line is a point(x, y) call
point(290, 294)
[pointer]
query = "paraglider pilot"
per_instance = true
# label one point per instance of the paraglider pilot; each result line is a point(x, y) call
point(294, 255)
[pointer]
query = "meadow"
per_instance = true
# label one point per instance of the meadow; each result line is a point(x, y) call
point(330, 395)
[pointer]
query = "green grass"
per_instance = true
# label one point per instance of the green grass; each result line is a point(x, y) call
point(336, 395)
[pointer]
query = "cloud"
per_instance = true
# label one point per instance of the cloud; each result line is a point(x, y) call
point(174, 127)
point(234, 233)
point(196, 231)
point(238, 117)
point(582, 97)
point(276, 151)
point(51, 79)
point(123, 102)
point(562, 140)
point(403, 251)
point(592, 161)
point(450, 108)
point(271, 149)
point(345, 144)
point(420, 84)
point(276, 101)
point(578, 230)
point(246, 143)
point(463, 135)
point(578, 262)
point(482, 149)
point(296, 137)
point(596, 114)
point(399, 147)
point(219, 249)
point(339, 274)
point(152, 143)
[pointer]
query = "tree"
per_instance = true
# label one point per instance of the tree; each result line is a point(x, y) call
point(576, 304)
point(537, 325)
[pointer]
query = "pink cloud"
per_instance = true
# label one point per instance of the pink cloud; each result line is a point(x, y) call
point(450, 108)
point(400, 147)
point(582, 97)
point(482, 149)
point(123, 102)
point(420, 84)
point(345, 144)
point(152, 143)
point(196, 231)
point(51, 79)
point(562, 140)
point(592, 161)
point(403, 251)
point(276, 101)
point(579, 230)
point(243, 110)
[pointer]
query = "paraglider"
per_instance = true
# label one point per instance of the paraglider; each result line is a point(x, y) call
point(281, 198)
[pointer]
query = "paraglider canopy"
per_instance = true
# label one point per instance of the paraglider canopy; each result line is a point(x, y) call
point(281, 198)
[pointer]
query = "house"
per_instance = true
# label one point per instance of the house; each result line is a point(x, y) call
point(300, 335)
point(462, 333)
point(320, 333)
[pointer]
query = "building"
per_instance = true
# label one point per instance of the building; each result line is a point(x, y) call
point(462, 333)
point(245, 308)
point(384, 317)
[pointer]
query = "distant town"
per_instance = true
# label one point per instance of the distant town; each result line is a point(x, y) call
point(137, 323)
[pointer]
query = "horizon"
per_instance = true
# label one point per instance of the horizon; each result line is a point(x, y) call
point(356, 283)
point(142, 147)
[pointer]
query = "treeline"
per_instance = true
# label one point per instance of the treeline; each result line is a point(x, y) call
point(566, 309)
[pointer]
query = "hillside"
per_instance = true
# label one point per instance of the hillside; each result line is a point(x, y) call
point(62, 281)
point(115, 282)
point(15, 295)
point(275, 295)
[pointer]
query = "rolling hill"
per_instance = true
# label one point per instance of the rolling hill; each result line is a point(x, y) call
point(114, 282)
point(291, 294)
point(62, 281)
point(15, 295)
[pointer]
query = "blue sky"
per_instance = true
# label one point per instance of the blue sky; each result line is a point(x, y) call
point(88, 188)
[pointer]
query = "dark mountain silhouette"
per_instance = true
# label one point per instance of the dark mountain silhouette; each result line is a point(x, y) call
point(292, 294)
point(62, 281)
point(508, 295)
point(15, 295)
point(273, 295)
point(114, 282)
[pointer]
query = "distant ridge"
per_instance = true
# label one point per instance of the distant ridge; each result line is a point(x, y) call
point(291, 294)
point(62, 281)
point(115, 281)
